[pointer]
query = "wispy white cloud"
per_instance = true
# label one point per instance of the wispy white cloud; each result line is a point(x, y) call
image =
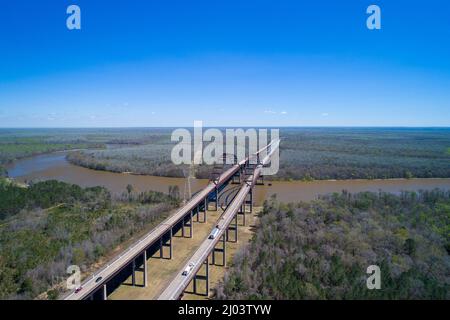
point(269, 111)
point(325, 114)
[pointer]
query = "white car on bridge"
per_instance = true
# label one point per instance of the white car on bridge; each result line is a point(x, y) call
point(214, 233)
point(188, 269)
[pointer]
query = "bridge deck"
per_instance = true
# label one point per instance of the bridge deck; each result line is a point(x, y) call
point(121, 261)
point(180, 282)
point(89, 286)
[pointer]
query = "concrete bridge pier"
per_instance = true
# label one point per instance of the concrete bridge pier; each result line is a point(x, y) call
point(241, 212)
point(104, 293)
point(234, 227)
point(197, 212)
point(205, 208)
point(250, 201)
point(167, 243)
point(133, 272)
point(216, 207)
point(223, 250)
point(237, 177)
point(204, 277)
point(182, 227)
point(145, 268)
point(170, 244)
point(191, 226)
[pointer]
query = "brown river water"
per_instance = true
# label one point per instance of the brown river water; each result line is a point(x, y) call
point(54, 166)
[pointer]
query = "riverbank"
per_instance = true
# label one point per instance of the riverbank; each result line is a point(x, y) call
point(55, 166)
point(104, 167)
point(306, 154)
point(268, 179)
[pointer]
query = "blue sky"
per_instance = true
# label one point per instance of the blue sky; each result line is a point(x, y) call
point(228, 63)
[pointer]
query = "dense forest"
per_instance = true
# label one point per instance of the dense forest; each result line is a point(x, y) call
point(321, 249)
point(306, 154)
point(148, 159)
point(50, 225)
point(367, 153)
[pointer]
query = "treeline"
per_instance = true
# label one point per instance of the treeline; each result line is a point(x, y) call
point(367, 153)
point(148, 160)
point(149, 197)
point(10, 152)
point(307, 154)
point(53, 225)
point(321, 249)
point(14, 198)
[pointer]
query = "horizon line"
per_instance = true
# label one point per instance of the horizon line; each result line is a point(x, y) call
point(169, 127)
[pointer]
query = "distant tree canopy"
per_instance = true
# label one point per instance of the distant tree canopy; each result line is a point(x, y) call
point(44, 195)
point(321, 249)
point(17, 149)
point(306, 154)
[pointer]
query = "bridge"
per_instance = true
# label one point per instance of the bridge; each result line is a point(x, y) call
point(209, 246)
point(100, 284)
